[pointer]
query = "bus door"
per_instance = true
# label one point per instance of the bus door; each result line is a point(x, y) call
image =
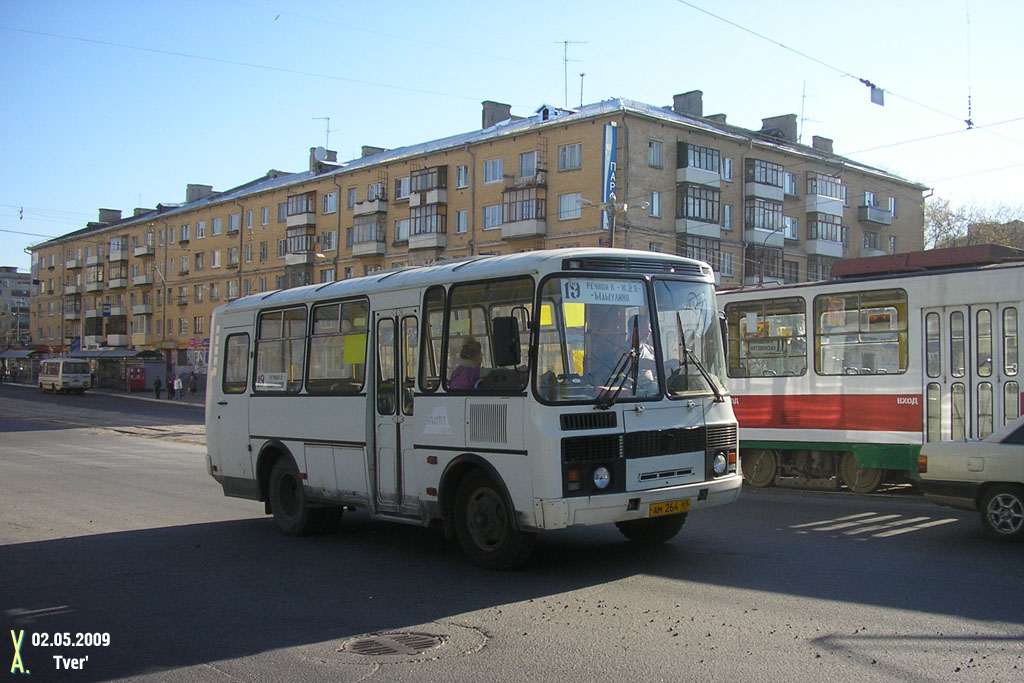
point(397, 347)
point(970, 370)
point(228, 420)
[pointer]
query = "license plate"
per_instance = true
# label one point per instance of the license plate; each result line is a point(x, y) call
point(670, 507)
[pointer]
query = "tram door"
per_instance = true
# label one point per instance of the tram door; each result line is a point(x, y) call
point(396, 348)
point(971, 366)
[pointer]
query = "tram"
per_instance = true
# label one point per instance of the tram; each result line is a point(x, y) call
point(841, 382)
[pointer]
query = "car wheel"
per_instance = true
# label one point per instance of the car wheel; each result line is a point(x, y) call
point(1002, 512)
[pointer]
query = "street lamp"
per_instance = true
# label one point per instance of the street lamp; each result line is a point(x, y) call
point(764, 247)
point(613, 207)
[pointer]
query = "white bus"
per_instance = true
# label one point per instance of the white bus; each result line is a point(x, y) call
point(843, 381)
point(64, 374)
point(497, 396)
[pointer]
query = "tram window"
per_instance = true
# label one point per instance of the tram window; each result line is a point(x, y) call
point(984, 409)
point(767, 338)
point(1011, 402)
point(337, 348)
point(433, 334)
point(933, 344)
point(957, 363)
point(861, 333)
point(983, 343)
point(1010, 348)
point(958, 412)
point(280, 350)
point(934, 406)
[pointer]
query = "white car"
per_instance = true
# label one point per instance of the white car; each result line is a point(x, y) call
point(986, 475)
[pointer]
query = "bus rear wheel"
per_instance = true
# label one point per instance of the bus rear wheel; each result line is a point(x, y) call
point(288, 503)
point(859, 479)
point(484, 525)
point(652, 531)
point(759, 467)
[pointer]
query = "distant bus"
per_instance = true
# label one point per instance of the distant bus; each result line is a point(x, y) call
point(845, 380)
point(64, 374)
point(496, 396)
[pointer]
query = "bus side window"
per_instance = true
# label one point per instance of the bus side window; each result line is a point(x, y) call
point(236, 364)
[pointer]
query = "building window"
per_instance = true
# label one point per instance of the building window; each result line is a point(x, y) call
point(433, 178)
point(654, 154)
point(234, 222)
point(704, 249)
point(870, 240)
point(248, 253)
point(248, 219)
point(790, 271)
point(429, 219)
point(200, 230)
point(401, 188)
point(570, 157)
point(869, 198)
point(197, 325)
point(762, 262)
point(698, 203)
point(728, 269)
point(825, 186)
point(493, 170)
point(375, 191)
point(727, 168)
point(528, 164)
point(197, 293)
point(492, 216)
point(282, 212)
point(231, 289)
point(522, 205)
point(762, 214)
point(328, 240)
point(215, 259)
point(789, 184)
point(892, 244)
point(326, 275)
point(824, 226)
point(764, 172)
point(200, 260)
point(282, 248)
point(264, 215)
point(694, 156)
point(350, 200)
point(369, 228)
point(789, 228)
point(461, 176)
point(654, 204)
point(263, 251)
point(214, 291)
point(461, 221)
point(569, 206)
point(892, 206)
point(215, 227)
point(726, 216)
point(402, 230)
point(330, 202)
point(232, 256)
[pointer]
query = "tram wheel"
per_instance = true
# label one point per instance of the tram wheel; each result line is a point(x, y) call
point(859, 479)
point(759, 467)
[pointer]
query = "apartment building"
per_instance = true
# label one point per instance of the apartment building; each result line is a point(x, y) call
point(757, 205)
point(15, 291)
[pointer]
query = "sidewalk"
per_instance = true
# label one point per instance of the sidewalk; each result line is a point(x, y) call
point(198, 400)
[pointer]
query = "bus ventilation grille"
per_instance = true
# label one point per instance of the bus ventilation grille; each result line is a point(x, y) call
point(634, 265)
point(592, 420)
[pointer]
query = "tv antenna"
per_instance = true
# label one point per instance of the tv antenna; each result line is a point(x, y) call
point(565, 63)
point(327, 130)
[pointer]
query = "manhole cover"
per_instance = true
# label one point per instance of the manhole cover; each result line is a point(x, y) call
point(397, 643)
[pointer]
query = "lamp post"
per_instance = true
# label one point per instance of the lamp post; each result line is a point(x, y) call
point(613, 207)
point(764, 247)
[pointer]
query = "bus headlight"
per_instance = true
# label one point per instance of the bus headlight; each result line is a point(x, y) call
point(720, 464)
point(602, 477)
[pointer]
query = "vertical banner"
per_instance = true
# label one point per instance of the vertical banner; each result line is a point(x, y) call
point(608, 161)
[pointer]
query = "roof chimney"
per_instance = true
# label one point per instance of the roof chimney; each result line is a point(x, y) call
point(822, 144)
point(781, 127)
point(110, 215)
point(495, 112)
point(370, 150)
point(141, 212)
point(689, 103)
point(321, 159)
point(194, 193)
point(717, 118)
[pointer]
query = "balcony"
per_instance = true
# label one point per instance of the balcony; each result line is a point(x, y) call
point(145, 279)
point(116, 311)
point(534, 227)
point(698, 176)
point(117, 283)
point(428, 240)
point(182, 301)
point(73, 264)
point(828, 248)
point(72, 315)
point(379, 205)
point(93, 286)
point(866, 252)
point(301, 258)
point(301, 220)
point(94, 260)
point(874, 214)
point(819, 203)
point(117, 340)
point(118, 255)
point(763, 191)
point(143, 339)
point(764, 238)
point(72, 289)
point(689, 226)
point(144, 250)
point(368, 249)
point(92, 341)
point(142, 309)
point(437, 195)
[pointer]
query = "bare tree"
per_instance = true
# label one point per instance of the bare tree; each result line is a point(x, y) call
point(949, 226)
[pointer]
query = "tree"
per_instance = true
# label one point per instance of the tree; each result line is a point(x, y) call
point(949, 226)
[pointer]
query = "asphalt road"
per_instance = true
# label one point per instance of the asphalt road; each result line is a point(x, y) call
point(114, 528)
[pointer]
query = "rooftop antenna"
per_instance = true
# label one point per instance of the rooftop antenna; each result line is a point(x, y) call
point(565, 63)
point(581, 89)
point(327, 130)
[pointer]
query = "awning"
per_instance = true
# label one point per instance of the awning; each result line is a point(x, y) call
point(115, 353)
point(20, 353)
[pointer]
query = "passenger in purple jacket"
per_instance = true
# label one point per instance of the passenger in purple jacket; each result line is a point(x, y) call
point(466, 374)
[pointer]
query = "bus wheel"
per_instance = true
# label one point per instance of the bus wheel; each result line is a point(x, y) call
point(652, 531)
point(859, 479)
point(292, 513)
point(1002, 512)
point(759, 467)
point(483, 523)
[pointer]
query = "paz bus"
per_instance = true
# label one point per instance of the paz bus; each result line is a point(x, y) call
point(64, 374)
point(842, 381)
point(493, 396)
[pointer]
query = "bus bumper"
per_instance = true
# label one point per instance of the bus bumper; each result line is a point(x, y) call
point(559, 513)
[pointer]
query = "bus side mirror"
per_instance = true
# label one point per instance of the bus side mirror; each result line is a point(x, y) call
point(724, 326)
point(505, 341)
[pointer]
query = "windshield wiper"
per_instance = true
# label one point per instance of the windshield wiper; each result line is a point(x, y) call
point(629, 360)
point(690, 355)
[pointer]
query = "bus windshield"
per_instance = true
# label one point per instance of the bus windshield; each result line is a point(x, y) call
point(598, 340)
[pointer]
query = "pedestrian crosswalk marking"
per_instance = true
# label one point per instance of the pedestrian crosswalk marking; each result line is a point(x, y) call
point(872, 523)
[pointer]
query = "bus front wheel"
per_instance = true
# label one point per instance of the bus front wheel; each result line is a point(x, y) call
point(484, 525)
point(288, 503)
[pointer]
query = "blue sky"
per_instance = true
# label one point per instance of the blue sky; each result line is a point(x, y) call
point(121, 104)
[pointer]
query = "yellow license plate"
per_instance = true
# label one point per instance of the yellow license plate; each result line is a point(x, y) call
point(670, 507)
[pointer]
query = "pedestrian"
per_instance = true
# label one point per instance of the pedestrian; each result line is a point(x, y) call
point(170, 389)
point(157, 386)
point(192, 384)
point(177, 388)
